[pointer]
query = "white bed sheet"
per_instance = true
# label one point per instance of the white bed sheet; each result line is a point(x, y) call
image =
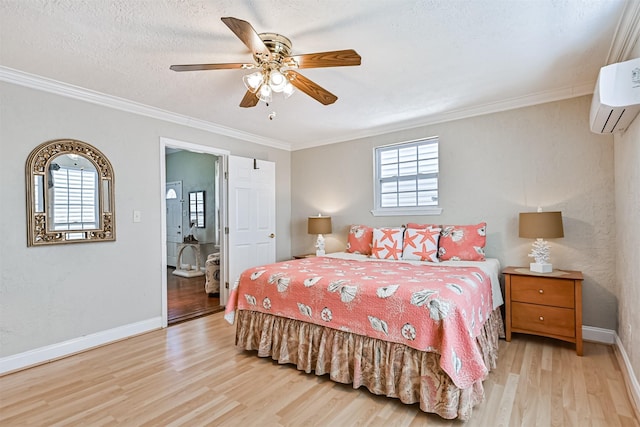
point(491, 267)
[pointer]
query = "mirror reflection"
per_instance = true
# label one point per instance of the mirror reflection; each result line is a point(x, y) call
point(70, 194)
point(196, 209)
point(72, 199)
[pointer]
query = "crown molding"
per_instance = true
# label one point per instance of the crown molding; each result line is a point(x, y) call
point(627, 33)
point(36, 82)
point(32, 81)
point(465, 113)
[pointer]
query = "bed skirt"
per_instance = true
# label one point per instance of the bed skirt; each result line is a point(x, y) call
point(385, 368)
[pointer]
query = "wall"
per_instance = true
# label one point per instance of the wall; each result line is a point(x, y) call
point(491, 168)
point(627, 192)
point(54, 294)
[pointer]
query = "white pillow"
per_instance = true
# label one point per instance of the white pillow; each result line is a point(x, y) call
point(421, 244)
point(387, 243)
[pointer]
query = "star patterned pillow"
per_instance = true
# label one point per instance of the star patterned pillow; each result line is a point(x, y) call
point(387, 243)
point(421, 244)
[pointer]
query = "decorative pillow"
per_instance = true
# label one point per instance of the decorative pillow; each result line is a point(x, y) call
point(463, 242)
point(387, 243)
point(421, 226)
point(421, 244)
point(359, 240)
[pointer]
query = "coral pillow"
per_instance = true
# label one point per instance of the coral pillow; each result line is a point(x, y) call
point(463, 242)
point(359, 240)
point(421, 244)
point(387, 243)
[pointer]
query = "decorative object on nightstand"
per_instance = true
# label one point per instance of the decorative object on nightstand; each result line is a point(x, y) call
point(547, 304)
point(540, 225)
point(319, 225)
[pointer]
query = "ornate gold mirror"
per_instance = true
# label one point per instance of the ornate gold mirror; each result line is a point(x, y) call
point(70, 194)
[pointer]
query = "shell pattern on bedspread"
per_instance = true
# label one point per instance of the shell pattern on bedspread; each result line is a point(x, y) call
point(429, 308)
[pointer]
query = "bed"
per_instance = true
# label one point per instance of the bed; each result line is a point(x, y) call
point(418, 331)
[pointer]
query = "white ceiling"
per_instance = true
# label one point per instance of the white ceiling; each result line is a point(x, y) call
point(422, 61)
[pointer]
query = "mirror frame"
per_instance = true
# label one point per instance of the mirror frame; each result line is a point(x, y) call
point(37, 165)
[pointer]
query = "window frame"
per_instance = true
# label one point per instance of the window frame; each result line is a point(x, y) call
point(378, 210)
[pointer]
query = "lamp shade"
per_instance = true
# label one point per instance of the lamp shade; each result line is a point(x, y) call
point(541, 225)
point(319, 225)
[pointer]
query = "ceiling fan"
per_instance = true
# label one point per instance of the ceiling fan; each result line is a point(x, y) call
point(276, 66)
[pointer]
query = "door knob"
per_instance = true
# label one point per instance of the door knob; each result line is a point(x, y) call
point(272, 235)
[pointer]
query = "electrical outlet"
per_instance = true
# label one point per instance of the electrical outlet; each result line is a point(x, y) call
point(137, 216)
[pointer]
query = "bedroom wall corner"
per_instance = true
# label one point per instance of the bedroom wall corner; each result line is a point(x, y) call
point(627, 207)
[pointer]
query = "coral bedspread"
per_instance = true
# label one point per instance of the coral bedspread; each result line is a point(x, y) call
point(430, 308)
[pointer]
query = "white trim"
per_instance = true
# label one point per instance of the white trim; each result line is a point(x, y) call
point(599, 335)
point(630, 378)
point(462, 113)
point(33, 81)
point(66, 348)
point(627, 33)
point(406, 211)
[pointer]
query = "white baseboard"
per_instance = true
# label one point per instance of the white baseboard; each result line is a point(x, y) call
point(630, 378)
point(600, 335)
point(56, 351)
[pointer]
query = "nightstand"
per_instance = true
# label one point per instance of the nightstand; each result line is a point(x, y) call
point(304, 256)
point(547, 304)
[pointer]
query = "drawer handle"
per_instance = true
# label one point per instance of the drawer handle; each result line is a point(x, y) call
point(541, 319)
point(541, 291)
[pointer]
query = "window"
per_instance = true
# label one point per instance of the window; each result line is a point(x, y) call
point(406, 178)
point(75, 195)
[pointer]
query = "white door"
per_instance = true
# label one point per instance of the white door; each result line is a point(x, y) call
point(252, 216)
point(173, 195)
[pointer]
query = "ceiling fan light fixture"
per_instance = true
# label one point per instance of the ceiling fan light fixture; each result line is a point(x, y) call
point(253, 81)
point(277, 81)
point(274, 65)
point(288, 90)
point(265, 93)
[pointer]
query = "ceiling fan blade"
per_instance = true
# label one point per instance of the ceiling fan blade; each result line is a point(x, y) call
point(310, 88)
point(249, 37)
point(250, 100)
point(200, 67)
point(335, 58)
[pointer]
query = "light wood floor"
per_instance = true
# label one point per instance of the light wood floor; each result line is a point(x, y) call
point(191, 374)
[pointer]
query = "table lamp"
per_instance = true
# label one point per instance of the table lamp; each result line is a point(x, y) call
point(319, 225)
point(540, 225)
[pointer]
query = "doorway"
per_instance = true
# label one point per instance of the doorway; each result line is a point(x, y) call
point(193, 241)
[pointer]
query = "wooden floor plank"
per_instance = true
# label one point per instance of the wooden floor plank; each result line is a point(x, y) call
point(191, 374)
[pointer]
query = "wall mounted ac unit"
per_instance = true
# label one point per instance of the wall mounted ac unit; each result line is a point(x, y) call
point(616, 98)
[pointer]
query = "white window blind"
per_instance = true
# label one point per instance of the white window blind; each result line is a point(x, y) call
point(406, 178)
point(75, 195)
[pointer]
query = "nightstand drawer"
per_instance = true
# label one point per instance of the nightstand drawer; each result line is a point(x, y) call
point(547, 291)
point(543, 319)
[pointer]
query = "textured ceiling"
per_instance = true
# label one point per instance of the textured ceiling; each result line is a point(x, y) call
point(422, 61)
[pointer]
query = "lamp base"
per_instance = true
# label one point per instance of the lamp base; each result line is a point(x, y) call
point(320, 245)
point(540, 267)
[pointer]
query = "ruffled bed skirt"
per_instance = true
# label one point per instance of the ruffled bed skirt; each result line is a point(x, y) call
point(385, 368)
